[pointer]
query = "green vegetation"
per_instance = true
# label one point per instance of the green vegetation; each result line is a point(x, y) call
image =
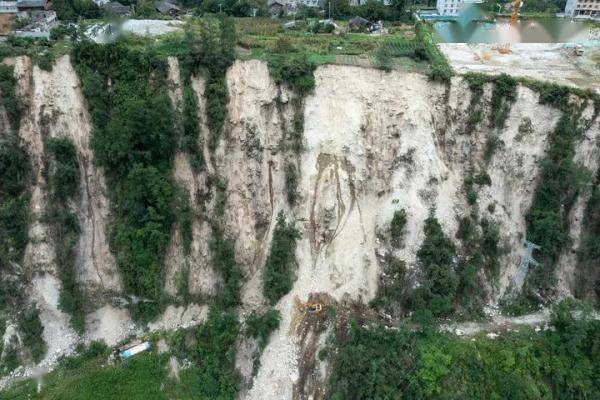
point(440, 69)
point(394, 291)
point(191, 129)
point(434, 298)
point(210, 347)
point(278, 274)
point(476, 83)
point(31, 328)
point(397, 227)
point(212, 51)
point(84, 377)
point(40, 50)
point(260, 326)
point(295, 70)
point(224, 262)
point(587, 273)
point(471, 182)
point(8, 100)
point(14, 214)
point(46, 60)
point(291, 183)
point(14, 201)
point(71, 10)
point(62, 176)
point(184, 213)
point(383, 58)
point(503, 95)
point(561, 181)
point(376, 362)
point(214, 353)
point(133, 140)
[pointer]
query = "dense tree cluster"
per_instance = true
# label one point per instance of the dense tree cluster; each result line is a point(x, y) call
point(62, 175)
point(560, 363)
point(133, 141)
point(279, 271)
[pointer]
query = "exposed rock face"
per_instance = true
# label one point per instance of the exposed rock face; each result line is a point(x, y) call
point(374, 143)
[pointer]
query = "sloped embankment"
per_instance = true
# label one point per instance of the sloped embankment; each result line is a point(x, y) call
point(373, 143)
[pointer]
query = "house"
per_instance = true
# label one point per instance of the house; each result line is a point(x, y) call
point(164, 7)
point(116, 8)
point(452, 8)
point(359, 24)
point(276, 8)
point(32, 5)
point(8, 7)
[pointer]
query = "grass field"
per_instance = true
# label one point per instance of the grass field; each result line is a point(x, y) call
point(144, 377)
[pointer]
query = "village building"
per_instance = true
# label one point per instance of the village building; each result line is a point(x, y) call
point(582, 8)
point(116, 8)
point(451, 8)
point(32, 5)
point(164, 7)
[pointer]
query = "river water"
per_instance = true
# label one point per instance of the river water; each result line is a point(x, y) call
point(535, 30)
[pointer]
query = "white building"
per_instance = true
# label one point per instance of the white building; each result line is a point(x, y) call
point(8, 7)
point(452, 8)
point(583, 8)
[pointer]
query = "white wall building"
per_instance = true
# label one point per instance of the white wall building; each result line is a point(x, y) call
point(8, 7)
point(452, 8)
point(583, 8)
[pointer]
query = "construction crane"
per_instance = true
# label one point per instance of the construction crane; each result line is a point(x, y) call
point(516, 7)
point(505, 48)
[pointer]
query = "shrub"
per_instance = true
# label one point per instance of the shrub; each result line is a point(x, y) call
point(587, 274)
point(31, 327)
point(213, 52)
point(279, 272)
point(46, 61)
point(64, 174)
point(503, 95)
point(191, 131)
point(184, 216)
point(490, 248)
point(383, 58)
point(492, 143)
point(291, 183)
point(394, 290)
point(440, 69)
point(133, 141)
point(294, 70)
point(260, 326)
point(397, 227)
point(560, 182)
point(373, 361)
point(8, 98)
point(215, 354)
point(224, 261)
point(435, 296)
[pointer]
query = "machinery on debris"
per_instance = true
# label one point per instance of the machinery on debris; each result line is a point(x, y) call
point(309, 307)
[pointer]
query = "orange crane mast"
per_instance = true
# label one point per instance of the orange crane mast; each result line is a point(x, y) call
point(515, 11)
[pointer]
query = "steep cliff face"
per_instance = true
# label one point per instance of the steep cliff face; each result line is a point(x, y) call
point(374, 143)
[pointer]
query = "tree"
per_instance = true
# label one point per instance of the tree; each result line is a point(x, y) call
point(278, 273)
point(373, 10)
